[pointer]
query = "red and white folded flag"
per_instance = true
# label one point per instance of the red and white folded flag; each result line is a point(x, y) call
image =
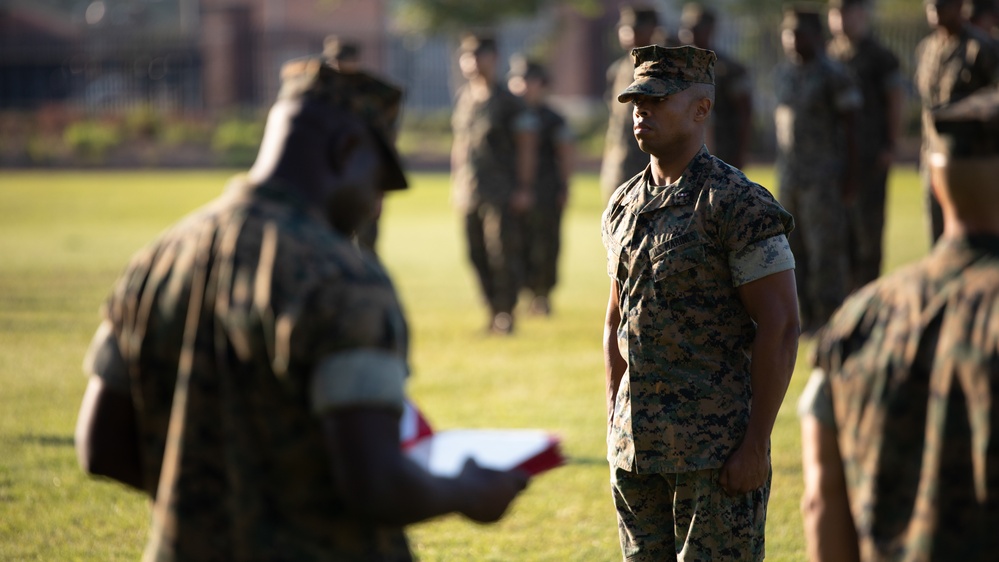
point(443, 453)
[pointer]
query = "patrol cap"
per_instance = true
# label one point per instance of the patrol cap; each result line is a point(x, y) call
point(374, 101)
point(969, 128)
point(664, 71)
point(523, 67)
point(802, 16)
point(478, 44)
point(638, 16)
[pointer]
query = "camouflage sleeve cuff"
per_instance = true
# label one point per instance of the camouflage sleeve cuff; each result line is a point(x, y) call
point(816, 400)
point(758, 260)
point(364, 377)
point(103, 359)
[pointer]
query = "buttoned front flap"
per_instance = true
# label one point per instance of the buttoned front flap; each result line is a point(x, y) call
point(668, 261)
point(613, 259)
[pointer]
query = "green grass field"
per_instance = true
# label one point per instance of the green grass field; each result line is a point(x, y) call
point(65, 235)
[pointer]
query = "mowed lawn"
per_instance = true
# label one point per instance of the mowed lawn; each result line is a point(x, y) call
point(64, 236)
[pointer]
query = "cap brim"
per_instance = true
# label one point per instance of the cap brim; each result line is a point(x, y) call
point(655, 87)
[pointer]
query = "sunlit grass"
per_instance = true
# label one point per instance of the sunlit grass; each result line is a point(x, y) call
point(64, 237)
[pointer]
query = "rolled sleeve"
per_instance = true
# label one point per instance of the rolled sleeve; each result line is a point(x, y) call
point(761, 259)
point(816, 399)
point(363, 377)
point(104, 360)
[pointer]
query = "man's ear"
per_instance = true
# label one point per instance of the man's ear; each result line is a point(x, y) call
point(702, 109)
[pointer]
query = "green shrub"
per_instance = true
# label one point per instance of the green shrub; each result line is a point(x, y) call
point(143, 122)
point(92, 140)
point(237, 140)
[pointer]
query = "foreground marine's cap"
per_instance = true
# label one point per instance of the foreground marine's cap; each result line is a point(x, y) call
point(664, 71)
point(374, 101)
point(969, 128)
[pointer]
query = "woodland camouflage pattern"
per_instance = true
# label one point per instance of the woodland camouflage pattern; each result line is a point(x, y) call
point(683, 403)
point(664, 71)
point(908, 376)
point(274, 292)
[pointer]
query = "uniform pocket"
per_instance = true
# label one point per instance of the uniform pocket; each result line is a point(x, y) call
point(669, 263)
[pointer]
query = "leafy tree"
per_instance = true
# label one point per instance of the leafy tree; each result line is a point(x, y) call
point(453, 15)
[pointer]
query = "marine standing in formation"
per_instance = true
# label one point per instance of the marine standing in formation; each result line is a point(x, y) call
point(953, 61)
point(732, 114)
point(543, 222)
point(701, 330)
point(493, 162)
point(876, 70)
point(249, 371)
point(622, 158)
point(345, 57)
point(817, 102)
point(900, 417)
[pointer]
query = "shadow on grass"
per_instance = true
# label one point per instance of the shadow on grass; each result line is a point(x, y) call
point(47, 440)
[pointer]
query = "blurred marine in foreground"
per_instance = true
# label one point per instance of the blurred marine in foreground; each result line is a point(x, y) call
point(249, 371)
point(900, 417)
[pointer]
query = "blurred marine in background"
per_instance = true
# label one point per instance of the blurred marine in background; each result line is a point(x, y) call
point(493, 162)
point(543, 222)
point(817, 103)
point(345, 57)
point(900, 417)
point(622, 159)
point(953, 61)
point(876, 70)
point(249, 371)
point(732, 114)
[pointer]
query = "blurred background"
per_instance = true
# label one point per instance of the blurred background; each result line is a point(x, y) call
point(186, 83)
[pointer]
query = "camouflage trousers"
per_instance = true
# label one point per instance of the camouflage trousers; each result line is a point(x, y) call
point(542, 240)
point(687, 517)
point(819, 246)
point(867, 221)
point(493, 234)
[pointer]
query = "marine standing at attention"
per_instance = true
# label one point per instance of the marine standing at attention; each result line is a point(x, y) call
point(701, 329)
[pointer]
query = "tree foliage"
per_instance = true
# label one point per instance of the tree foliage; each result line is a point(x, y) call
point(454, 15)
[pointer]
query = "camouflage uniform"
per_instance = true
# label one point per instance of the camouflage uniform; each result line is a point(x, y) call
point(732, 82)
point(483, 186)
point(947, 70)
point(622, 158)
point(678, 254)
point(917, 350)
point(810, 160)
point(876, 70)
point(544, 220)
point(234, 333)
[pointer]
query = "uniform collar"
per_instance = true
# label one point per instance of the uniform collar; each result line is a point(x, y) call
point(681, 192)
